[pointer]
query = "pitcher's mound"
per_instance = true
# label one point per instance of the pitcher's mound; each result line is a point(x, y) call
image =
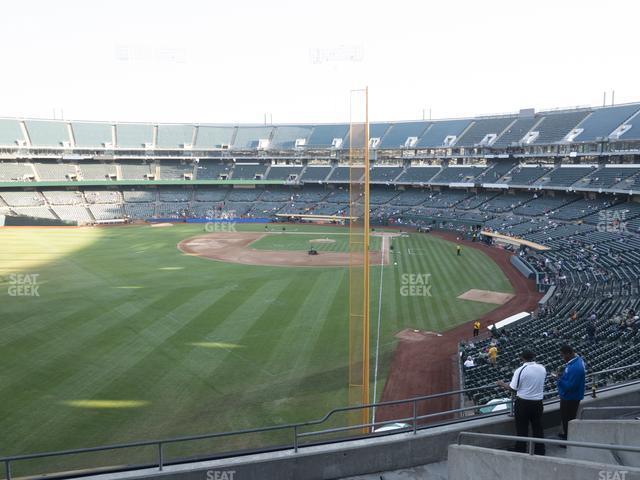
point(486, 296)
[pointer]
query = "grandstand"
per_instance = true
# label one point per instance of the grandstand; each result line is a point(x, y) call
point(548, 178)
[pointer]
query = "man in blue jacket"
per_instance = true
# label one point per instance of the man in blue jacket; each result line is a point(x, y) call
point(570, 387)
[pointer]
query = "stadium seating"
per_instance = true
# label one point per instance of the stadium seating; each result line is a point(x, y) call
point(134, 135)
point(46, 133)
point(103, 196)
point(564, 176)
point(384, 174)
point(516, 132)
point(322, 136)
point(456, 174)
point(54, 171)
point(284, 137)
point(63, 197)
point(175, 169)
point(92, 134)
point(603, 121)
point(10, 132)
point(107, 212)
point(607, 177)
point(12, 171)
point(97, 170)
point(213, 137)
point(20, 199)
point(315, 174)
point(284, 172)
point(475, 134)
point(248, 171)
point(398, 134)
point(247, 138)
point(174, 136)
point(174, 195)
point(135, 170)
point(418, 174)
point(342, 174)
point(73, 213)
point(555, 126)
point(435, 135)
point(142, 196)
point(212, 170)
point(524, 175)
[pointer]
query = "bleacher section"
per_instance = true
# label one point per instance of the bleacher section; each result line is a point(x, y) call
point(248, 171)
point(44, 133)
point(135, 170)
point(213, 137)
point(516, 132)
point(607, 177)
point(342, 174)
point(92, 134)
point(134, 135)
point(247, 138)
point(55, 171)
point(524, 175)
point(384, 174)
point(602, 122)
point(63, 197)
point(212, 170)
point(12, 172)
point(10, 132)
point(398, 134)
point(97, 171)
point(564, 176)
point(175, 170)
point(419, 175)
point(284, 137)
point(481, 128)
point(20, 199)
point(315, 174)
point(285, 172)
point(435, 136)
point(457, 175)
point(555, 126)
point(323, 135)
point(174, 136)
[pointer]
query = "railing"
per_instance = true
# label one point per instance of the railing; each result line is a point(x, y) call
point(295, 428)
point(612, 408)
point(531, 441)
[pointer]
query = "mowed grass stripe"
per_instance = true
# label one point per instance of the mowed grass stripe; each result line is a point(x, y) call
point(112, 360)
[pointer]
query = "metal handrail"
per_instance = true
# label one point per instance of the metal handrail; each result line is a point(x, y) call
point(531, 441)
point(295, 427)
point(615, 408)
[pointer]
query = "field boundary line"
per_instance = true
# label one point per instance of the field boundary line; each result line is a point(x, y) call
point(375, 370)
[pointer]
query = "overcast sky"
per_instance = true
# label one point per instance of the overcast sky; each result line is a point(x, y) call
point(234, 61)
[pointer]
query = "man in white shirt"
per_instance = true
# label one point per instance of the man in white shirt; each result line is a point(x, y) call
point(468, 363)
point(528, 385)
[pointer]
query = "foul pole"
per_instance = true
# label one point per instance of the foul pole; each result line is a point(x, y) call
point(359, 375)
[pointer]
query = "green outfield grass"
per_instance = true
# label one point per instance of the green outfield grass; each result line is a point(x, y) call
point(130, 339)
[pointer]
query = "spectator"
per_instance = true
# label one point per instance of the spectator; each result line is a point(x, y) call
point(476, 328)
point(528, 385)
point(571, 382)
point(591, 330)
point(468, 363)
point(492, 354)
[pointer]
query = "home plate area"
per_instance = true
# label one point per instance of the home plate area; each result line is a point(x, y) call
point(486, 296)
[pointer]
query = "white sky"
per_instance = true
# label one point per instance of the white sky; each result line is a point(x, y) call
point(233, 61)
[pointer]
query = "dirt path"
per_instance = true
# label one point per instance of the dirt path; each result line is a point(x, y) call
point(429, 365)
point(233, 247)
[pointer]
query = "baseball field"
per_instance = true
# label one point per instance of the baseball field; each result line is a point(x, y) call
point(115, 334)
